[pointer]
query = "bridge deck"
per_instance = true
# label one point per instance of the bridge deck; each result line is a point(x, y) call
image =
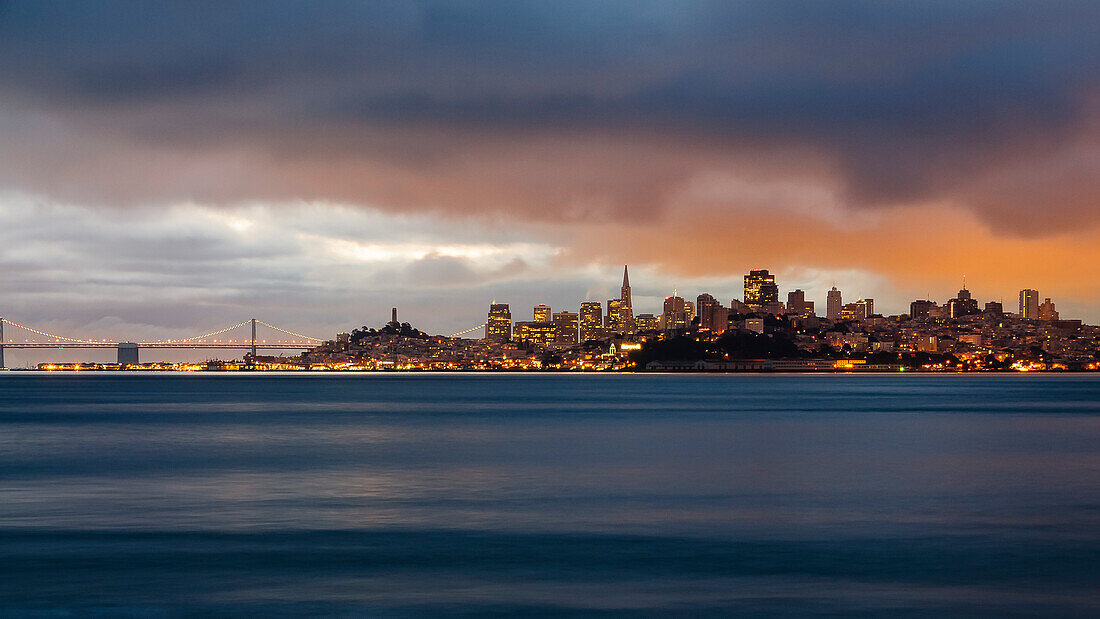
point(56, 345)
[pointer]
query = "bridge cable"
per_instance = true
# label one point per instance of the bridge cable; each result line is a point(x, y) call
point(315, 339)
point(199, 337)
point(50, 335)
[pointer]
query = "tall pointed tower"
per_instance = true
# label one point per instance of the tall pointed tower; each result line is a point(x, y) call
point(626, 307)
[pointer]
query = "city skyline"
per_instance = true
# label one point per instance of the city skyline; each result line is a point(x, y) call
point(760, 296)
point(159, 176)
point(659, 308)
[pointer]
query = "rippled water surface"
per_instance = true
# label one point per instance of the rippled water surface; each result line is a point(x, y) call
point(445, 494)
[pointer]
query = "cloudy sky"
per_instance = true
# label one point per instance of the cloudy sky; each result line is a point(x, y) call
point(171, 168)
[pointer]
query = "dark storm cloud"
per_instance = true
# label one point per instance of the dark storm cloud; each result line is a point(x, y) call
point(906, 102)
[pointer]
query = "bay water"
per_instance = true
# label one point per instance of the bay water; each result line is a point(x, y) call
point(389, 494)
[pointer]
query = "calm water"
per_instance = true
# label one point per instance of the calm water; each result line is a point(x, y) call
point(262, 495)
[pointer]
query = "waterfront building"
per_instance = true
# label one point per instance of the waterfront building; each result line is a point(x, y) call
point(926, 343)
point(1029, 304)
point(833, 304)
point(499, 325)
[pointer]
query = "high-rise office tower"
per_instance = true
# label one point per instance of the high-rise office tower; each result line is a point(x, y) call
point(626, 306)
point(713, 316)
point(542, 313)
point(565, 327)
point(760, 288)
point(833, 304)
point(534, 332)
point(675, 315)
point(499, 326)
point(994, 307)
point(798, 305)
point(962, 305)
point(612, 320)
point(590, 320)
point(704, 302)
point(1029, 304)
point(719, 319)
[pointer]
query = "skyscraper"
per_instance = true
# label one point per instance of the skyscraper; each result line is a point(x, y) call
point(535, 332)
point(620, 311)
point(712, 315)
point(542, 313)
point(962, 305)
point(565, 327)
point(798, 305)
point(760, 288)
point(1029, 304)
point(626, 305)
point(611, 319)
point(833, 304)
point(499, 326)
point(675, 315)
point(590, 320)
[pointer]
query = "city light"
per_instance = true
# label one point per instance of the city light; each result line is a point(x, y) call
point(957, 336)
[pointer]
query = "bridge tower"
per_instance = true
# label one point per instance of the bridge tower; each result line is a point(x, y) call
point(127, 353)
point(1, 342)
point(253, 340)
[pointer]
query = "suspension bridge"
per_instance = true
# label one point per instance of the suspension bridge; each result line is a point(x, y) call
point(222, 339)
